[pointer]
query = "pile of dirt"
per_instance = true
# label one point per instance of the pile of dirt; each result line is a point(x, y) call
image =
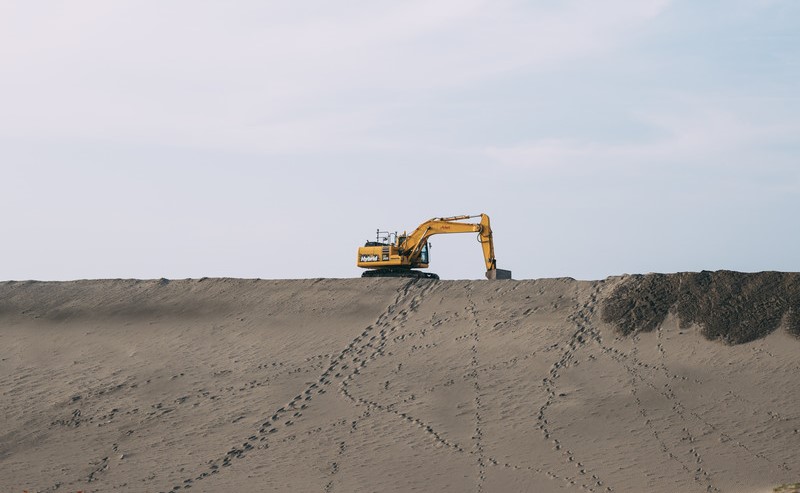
point(733, 307)
point(394, 385)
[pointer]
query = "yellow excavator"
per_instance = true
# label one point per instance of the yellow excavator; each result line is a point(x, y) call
point(393, 255)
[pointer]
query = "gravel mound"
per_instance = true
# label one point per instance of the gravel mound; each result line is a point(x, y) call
point(733, 307)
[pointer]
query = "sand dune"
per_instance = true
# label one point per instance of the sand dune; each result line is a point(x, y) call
point(388, 385)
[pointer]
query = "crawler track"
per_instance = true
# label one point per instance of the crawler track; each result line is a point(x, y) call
point(408, 273)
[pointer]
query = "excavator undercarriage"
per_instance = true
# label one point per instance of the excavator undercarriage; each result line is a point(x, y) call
point(399, 272)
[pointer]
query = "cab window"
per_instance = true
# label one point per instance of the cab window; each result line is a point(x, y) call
point(423, 254)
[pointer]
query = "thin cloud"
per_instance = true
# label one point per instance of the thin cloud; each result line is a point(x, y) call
point(199, 75)
point(706, 137)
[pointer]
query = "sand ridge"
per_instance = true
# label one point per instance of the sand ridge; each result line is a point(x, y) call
point(379, 385)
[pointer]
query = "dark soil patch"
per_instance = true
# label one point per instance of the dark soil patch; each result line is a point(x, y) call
point(733, 307)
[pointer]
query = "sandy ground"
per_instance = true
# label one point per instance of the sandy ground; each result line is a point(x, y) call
point(379, 385)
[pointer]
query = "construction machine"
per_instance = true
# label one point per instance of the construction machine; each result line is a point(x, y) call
point(397, 255)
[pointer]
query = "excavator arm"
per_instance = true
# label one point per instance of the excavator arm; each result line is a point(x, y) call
point(414, 242)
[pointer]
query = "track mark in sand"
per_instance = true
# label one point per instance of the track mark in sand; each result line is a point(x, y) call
point(424, 427)
point(100, 467)
point(582, 319)
point(566, 355)
point(585, 332)
point(733, 442)
point(698, 475)
point(377, 346)
point(378, 350)
point(696, 471)
point(678, 406)
point(287, 415)
point(769, 414)
point(334, 469)
point(473, 373)
point(687, 415)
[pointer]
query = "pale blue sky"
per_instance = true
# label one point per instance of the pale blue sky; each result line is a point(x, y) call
point(270, 139)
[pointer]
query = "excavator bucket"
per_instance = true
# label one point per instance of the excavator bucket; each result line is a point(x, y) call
point(498, 274)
